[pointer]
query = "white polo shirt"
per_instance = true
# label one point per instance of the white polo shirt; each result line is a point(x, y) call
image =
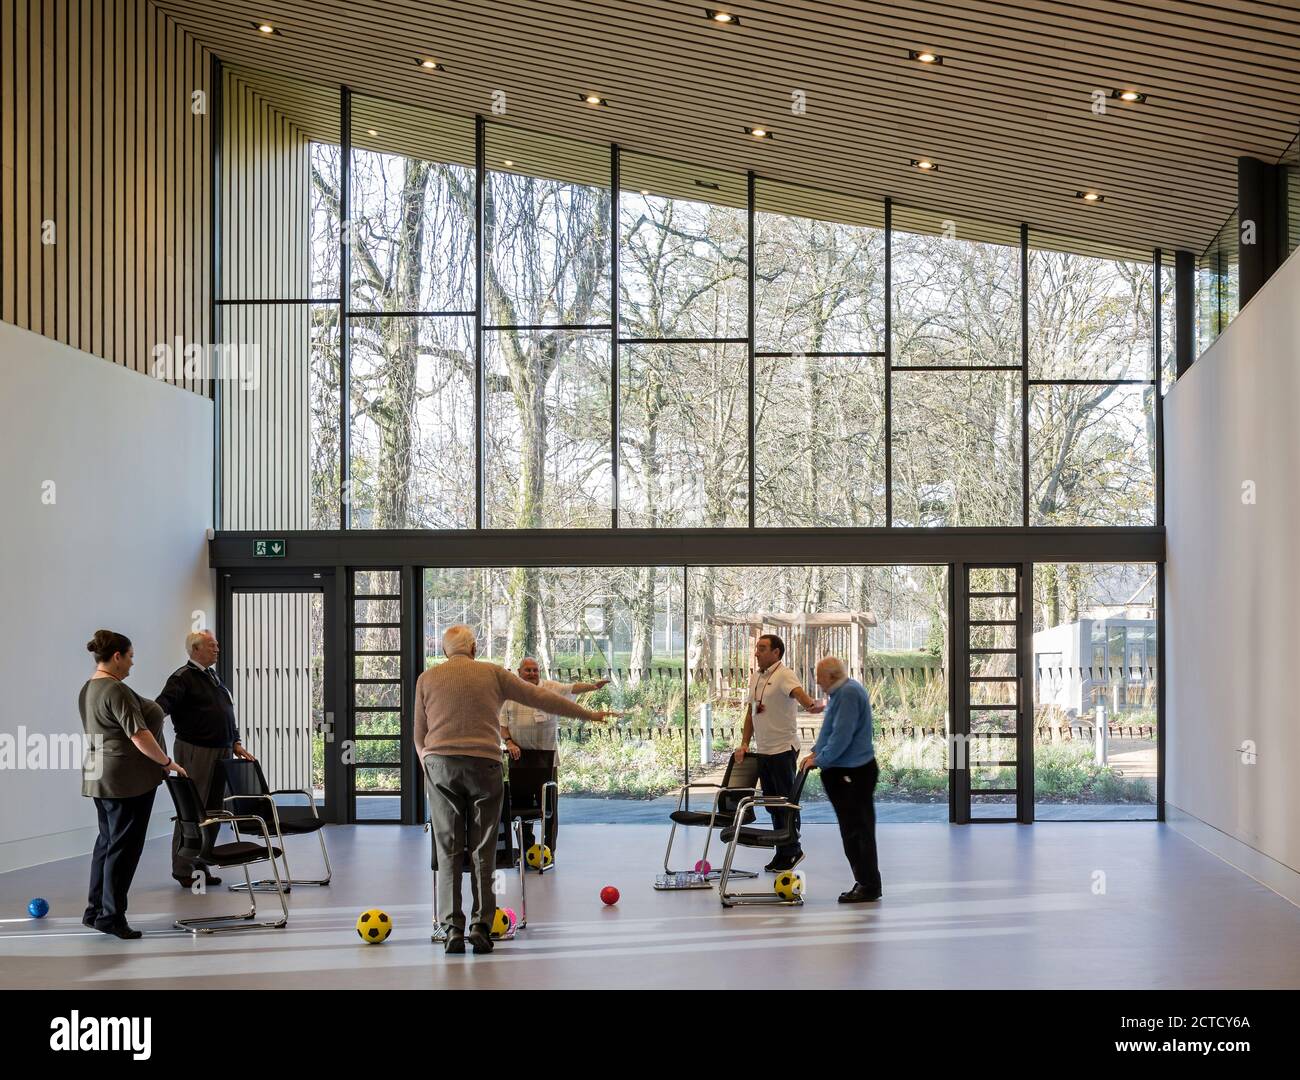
point(776, 728)
point(531, 728)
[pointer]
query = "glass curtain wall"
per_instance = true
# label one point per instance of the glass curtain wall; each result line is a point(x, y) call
point(1096, 687)
point(676, 646)
point(642, 343)
point(956, 372)
point(1091, 389)
point(1217, 292)
point(410, 319)
point(683, 340)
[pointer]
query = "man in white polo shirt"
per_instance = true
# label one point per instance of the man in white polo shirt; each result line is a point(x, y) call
point(771, 720)
point(533, 735)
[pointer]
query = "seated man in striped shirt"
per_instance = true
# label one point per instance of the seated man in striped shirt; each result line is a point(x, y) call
point(531, 735)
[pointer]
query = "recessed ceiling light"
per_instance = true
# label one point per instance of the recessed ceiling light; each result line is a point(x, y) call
point(1090, 196)
point(645, 191)
point(507, 162)
point(1135, 96)
point(371, 131)
point(924, 56)
point(593, 99)
point(724, 17)
point(430, 65)
point(708, 184)
point(924, 164)
point(759, 133)
point(264, 28)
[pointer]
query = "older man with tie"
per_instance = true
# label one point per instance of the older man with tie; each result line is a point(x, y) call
point(203, 716)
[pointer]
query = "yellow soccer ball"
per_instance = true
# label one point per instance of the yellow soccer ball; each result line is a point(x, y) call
point(788, 884)
point(374, 926)
point(500, 924)
point(538, 856)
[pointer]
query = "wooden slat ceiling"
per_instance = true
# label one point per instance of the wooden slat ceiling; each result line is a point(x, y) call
point(1007, 116)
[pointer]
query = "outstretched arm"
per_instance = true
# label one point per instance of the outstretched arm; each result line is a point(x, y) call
point(804, 700)
point(513, 688)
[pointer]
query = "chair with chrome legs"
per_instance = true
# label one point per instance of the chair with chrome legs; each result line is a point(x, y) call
point(249, 793)
point(534, 797)
point(739, 779)
point(757, 837)
point(198, 832)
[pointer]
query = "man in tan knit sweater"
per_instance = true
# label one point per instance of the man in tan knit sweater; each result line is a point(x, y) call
point(458, 738)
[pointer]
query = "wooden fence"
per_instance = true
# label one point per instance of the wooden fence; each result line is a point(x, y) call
point(730, 733)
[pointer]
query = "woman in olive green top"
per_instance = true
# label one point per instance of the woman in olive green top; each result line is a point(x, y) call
point(124, 764)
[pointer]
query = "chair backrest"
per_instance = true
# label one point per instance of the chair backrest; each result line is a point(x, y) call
point(738, 775)
point(788, 833)
point(196, 842)
point(528, 775)
point(242, 777)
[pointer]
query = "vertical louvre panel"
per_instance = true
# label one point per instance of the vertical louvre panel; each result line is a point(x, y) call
point(97, 137)
point(265, 431)
point(271, 680)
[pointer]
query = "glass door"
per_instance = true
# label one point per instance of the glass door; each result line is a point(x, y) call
point(274, 660)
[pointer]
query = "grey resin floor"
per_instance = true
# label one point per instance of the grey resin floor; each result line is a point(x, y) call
point(1067, 904)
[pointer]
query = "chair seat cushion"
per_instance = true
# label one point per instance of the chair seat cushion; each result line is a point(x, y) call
point(699, 817)
point(298, 826)
point(753, 837)
point(239, 853)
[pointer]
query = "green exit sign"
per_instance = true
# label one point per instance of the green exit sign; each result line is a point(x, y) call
point(268, 549)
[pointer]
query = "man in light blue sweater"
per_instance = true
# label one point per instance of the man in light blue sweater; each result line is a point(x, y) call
point(847, 759)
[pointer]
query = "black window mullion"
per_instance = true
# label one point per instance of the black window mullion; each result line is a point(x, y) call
point(1024, 375)
point(889, 363)
point(345, 288)
point(615, 179)
point(750, 268)
point(1157, 373)
point(480, 455)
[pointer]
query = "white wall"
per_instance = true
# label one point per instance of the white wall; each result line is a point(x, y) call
point(1233, 578)
point(122, 546)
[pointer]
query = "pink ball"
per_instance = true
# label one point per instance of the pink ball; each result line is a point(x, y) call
point(609, 895)
point(703, 867)
point(511, 916)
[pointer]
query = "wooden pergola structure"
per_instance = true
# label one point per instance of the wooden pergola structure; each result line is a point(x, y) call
point(808, 637)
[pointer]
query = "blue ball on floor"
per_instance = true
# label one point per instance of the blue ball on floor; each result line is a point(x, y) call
point(38, 908)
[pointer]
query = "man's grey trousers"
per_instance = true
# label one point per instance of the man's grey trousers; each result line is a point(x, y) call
point(465, 795)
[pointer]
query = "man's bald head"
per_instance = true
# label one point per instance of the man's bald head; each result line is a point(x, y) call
point(530, 670)
point(830, 670)
point(459, 640)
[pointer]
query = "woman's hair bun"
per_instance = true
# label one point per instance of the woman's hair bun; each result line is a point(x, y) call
point(107, 643)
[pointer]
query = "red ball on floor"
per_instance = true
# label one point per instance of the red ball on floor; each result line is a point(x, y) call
point(609, 895)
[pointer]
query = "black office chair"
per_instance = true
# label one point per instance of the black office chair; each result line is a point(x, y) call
point(758, 837)
point(534, 797)
point(507, 855)
point(197, 843)
point(250, 794)
point(739, 779)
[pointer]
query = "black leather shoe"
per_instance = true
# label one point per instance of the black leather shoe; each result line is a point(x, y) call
point(780, 866)
point(455, 942)
point(88, 919)
point(480, 939)
point(120, 930)
point(858, 895)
